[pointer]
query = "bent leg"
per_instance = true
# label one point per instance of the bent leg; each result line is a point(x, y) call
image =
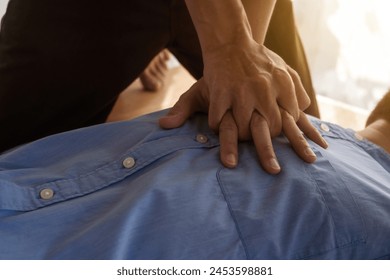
point(153, 77)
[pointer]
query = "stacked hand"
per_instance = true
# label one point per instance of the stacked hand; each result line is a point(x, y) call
point(249, 93)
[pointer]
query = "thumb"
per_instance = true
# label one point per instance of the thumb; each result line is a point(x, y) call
point(175, 117)
point(188, 103)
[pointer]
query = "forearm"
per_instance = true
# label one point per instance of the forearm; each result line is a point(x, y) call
point(259, 14)
point(219, 23)
point(230, 21)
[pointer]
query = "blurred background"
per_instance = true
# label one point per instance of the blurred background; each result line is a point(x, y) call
point(348, 47)
point(347, 43)
point(3, 4)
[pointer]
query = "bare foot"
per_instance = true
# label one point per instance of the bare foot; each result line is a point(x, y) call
point(154, 75)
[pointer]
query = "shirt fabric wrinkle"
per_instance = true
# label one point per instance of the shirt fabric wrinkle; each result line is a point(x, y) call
point(173, 191)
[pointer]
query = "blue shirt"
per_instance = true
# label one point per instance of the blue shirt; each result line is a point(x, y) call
point(130, 190)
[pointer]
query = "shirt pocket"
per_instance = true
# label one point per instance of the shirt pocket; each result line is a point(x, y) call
point(305, 212)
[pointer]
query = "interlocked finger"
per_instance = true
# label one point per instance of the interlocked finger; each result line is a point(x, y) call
point(262, 140)
point(296, 138)
point(300, 92)
point(228, 138)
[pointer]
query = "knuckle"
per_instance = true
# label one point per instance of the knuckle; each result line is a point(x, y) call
point(291, 116)
point(286, 116)
point(304, 102)
point(312, 132)
point(280, 73)
point(293, 73)
point(284, 79)
point(298, 140)
point(178, 105)
point(265, 82)
point(301, 139)
point(266, 150)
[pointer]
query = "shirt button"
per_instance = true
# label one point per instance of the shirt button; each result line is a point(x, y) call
point(128, 162)
point(358, 136)
point(46, 194)
point(201, 138)
point(325, 127)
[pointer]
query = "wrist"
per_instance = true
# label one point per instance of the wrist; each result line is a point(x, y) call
point(219, 23)
point(225, 53)
point(238, 35)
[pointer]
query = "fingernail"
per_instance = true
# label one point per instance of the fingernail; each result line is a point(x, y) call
point(274, 163)
point(325, 144)
point(231, 159)
point(309, 152)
